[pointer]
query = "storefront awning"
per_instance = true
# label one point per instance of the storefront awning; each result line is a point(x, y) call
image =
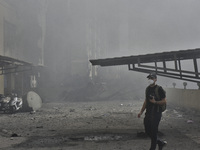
point(12, 65)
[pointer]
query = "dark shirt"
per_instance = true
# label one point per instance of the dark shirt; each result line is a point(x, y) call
point(150, 91)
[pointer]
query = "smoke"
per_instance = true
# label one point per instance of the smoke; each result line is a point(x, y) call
point(79, 30)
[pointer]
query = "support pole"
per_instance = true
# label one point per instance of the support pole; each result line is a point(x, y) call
point(195, 67)
point(179, 63)
point(164, 66)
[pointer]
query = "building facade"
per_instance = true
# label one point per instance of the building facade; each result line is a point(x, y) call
point(21, 35)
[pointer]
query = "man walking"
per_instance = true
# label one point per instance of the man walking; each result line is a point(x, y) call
point(154, 105)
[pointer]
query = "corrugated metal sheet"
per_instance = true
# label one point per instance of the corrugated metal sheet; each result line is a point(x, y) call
point(11, 65)
point(4, 61)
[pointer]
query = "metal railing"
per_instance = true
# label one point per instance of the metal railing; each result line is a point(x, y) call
point(143, 63)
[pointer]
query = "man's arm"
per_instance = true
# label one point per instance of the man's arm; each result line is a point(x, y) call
point(142, 110)
point(162, 102)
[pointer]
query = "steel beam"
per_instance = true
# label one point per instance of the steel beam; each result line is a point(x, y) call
point(139, 63)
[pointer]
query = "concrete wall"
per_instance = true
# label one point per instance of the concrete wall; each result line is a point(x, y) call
point(186, 98)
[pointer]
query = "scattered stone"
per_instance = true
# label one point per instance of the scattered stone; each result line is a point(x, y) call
point(4, 131)
point(97, 117)
point(76, 138)
point(14, 135)
point(90, 108)
point(189, 121)
point(72, 110)
point(180, 116)
point(33, 112)
point(56, 108)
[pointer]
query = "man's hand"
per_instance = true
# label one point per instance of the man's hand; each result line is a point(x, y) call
point(139, 115)
point(152, 100)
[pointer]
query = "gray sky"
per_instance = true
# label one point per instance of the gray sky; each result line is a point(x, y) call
point(145, 25)
point(163, 25)
point(159, 25)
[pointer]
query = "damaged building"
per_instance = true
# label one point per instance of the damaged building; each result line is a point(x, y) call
point(53, 34)
point(81, 68)
point(21, 44)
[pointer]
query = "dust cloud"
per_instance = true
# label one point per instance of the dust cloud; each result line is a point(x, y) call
point(78, 30)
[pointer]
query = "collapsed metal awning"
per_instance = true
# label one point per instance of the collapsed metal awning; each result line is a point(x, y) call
point(143, 63)
point(11, 65)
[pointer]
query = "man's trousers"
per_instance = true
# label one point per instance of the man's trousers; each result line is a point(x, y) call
point(151, 123)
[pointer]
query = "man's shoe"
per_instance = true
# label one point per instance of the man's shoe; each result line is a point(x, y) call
point(162, 144)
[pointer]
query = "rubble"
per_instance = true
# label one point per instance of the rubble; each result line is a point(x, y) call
point(189, 121)
point(95, 122)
